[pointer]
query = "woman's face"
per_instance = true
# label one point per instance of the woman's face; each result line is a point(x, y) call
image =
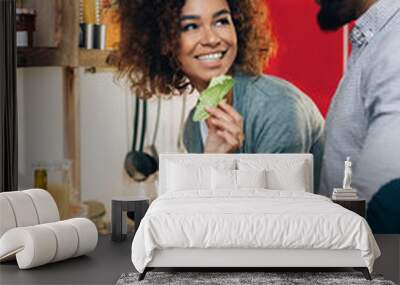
point(208, 42)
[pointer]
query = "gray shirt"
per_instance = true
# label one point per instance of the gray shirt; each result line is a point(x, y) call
point(278, 118)
point(364, 117)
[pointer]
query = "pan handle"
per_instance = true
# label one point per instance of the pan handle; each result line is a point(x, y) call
point(135, 123)
point(157, 120)
point(144, 124)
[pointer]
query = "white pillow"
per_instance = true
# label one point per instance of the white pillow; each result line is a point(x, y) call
point(223, 179)
point(189, 173)
point(181, 177)
point(281, 175)
point(291, 178)
point(251, 178)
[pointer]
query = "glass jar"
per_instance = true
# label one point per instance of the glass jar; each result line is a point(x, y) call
point(55, 177)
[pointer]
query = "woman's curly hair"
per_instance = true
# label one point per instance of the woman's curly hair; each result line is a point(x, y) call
point(150, 31)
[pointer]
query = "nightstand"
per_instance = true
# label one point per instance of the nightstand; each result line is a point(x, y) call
point(357, 206)
point(120, 206)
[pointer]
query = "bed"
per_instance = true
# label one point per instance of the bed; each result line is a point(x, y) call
point(246, 211)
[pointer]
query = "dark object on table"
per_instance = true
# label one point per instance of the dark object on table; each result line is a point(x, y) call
point(356, 206)
point(136, 207)
point(383, 213)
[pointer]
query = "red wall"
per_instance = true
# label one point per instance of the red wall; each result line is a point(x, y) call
point(307, 57)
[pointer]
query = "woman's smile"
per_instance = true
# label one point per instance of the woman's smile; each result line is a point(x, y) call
point(211, 56)
point(212, 60)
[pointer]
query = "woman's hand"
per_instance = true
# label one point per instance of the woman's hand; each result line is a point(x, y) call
point(225, 129)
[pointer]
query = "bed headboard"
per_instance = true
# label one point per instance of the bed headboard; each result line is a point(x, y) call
point(205, 159)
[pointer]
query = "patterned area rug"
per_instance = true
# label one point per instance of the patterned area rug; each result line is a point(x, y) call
point(269, 278)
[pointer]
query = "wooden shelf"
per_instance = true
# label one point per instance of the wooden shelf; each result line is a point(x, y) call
point(67, 53)
point(29, 57)
point(93, 57)
point(39, 57)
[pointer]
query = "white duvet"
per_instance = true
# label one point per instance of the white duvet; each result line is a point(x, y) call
point(250, 219)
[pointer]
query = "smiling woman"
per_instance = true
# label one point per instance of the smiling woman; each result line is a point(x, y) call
point(208, 43)
point(170, 47)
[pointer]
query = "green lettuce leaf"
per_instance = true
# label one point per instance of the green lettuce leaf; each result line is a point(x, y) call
point(212, 96)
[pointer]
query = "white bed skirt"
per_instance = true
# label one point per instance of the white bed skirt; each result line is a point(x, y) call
point(177, 257)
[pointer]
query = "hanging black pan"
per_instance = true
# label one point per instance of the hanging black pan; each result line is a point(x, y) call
point(138, 164)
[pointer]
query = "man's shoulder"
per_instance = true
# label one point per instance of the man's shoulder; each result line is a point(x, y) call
point(390, 38)
point(387, 44)
point(381, 58)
